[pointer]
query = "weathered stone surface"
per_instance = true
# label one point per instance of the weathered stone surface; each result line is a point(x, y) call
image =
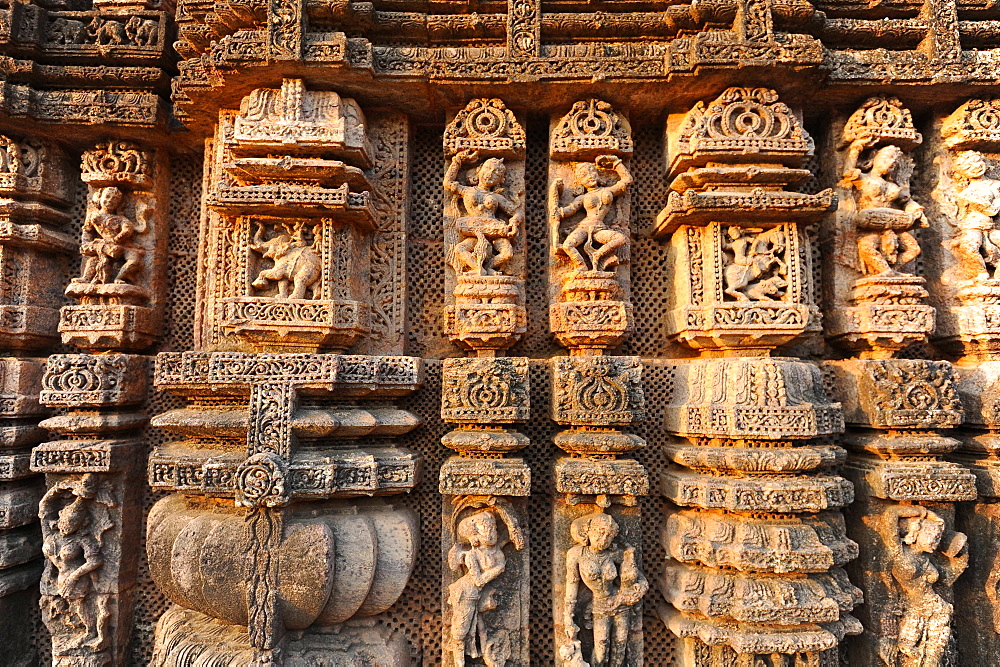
point(741, 258)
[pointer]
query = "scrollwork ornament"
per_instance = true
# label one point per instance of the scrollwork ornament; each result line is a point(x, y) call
point(261, 481)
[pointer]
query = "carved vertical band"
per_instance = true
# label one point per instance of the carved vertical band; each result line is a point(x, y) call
point(485, 489)
point(596, 519)
point(904, 519)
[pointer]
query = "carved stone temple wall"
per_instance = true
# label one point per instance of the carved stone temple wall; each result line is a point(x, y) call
point(605, 334)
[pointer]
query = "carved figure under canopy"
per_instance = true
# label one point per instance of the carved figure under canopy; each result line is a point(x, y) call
point(74, 515)
point(107, 240)
point(976, 245)
point(914, 539)
point(885, 214)
point(756, 269)
point(479, 553)
point(614, 584)
point(486, 239)
point(597, 202)
point(297, 266)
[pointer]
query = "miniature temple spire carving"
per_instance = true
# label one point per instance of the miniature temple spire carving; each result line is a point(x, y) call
point(281, 497)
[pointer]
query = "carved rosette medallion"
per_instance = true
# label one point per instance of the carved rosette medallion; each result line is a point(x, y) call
point(484, 226)
point(738, 234)
point(123, 245)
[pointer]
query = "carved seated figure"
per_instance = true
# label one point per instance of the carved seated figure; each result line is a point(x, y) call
point(756, 270)
point(486, 244)
point(976, 246)
point(296, 266)
point(615, 583)
point(885, 214)
point(480, 555)
point(107, 240)
point(593, 246)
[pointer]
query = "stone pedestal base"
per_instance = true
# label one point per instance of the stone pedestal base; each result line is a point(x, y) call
point(185, 637)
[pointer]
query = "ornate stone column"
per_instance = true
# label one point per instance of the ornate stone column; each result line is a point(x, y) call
point(965, 288)
point(486, 573)
point(271, 545)
point(91, 511)
point(756, 543)
point(35, 191)
point(598, 620)
point(903, 519)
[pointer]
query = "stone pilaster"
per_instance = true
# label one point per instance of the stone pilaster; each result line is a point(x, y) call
point(756, 540)
point(896, 409)
point(271, 545)
point(596, 518)
point(966, 291)
point(486, 572)
point(35, 193)
point(91, 511)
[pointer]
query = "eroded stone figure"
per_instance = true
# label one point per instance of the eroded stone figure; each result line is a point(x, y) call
point(756, 269)
point(977, 243)
point(886, 214)
point(480, 555)
point(108, 239)
point(486, 240)
point(914, 538)
point(296, 266)
point(611, 576)
point(597, 202)
point(74, 519)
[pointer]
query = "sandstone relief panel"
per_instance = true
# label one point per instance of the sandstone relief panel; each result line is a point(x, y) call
point(593, 335)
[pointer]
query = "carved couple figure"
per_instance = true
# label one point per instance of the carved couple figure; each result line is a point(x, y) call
point(614, 585)
point(107, 239)
point(604, 246)
point(74, 516)
point(479, 553)
point(914, 539)
point(885, 213)
point(486, 240)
